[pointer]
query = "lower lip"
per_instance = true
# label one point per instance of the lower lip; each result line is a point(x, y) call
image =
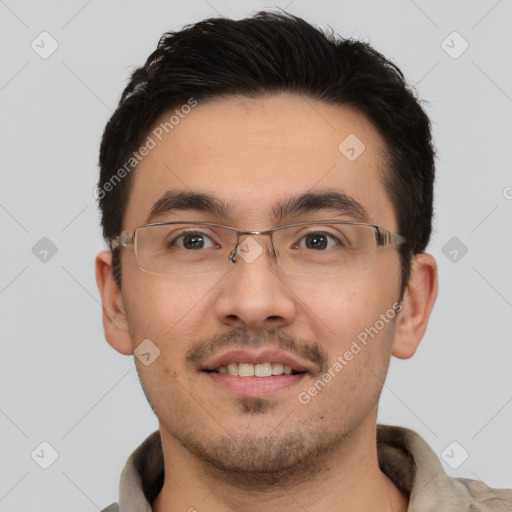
point(255, 387)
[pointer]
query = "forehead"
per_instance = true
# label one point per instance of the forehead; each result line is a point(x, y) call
point(253, 153)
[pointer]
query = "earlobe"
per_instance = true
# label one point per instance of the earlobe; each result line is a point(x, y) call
point(419, 299)
point(115, 323)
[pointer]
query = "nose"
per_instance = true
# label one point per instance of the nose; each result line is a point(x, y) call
point(253, 294)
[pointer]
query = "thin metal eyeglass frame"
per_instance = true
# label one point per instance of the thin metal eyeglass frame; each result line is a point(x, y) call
point(383, 237)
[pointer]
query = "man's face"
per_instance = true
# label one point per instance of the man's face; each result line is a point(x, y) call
point(252, 154)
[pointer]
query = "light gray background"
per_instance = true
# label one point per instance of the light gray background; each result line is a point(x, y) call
point(60, 382)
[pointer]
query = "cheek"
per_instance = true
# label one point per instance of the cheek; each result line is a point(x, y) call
point(346, 319)
point(165, 310)
point(340, 312)
point(168, 313)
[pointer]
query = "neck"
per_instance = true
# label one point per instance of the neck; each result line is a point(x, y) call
point(345, 479)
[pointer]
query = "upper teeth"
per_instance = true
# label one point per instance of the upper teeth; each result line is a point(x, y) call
point(255, 370)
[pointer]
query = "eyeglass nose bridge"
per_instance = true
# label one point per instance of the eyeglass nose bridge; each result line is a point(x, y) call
point(233, 254)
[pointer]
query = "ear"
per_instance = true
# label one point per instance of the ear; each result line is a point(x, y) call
point(115, 322)
point(419, 299)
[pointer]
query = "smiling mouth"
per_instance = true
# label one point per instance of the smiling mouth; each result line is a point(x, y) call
point(256, 370)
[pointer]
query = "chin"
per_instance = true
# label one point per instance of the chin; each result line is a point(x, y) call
point(253, 457)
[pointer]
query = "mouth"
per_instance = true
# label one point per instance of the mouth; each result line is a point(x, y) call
point(256, 370)
point(257, 375)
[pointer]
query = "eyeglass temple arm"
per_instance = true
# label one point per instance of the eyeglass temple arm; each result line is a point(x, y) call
point(389, 238)
point(120, 240)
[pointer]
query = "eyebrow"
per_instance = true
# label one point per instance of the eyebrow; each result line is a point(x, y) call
point(309, 202)
point(173, 201)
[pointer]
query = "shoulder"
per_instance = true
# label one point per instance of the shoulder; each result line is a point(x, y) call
point(112, 508)
point(412, 465)
point(484, 498)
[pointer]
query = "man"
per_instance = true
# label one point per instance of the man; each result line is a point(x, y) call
point(266, 191)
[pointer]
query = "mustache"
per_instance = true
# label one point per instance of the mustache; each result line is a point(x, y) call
point(269, 337)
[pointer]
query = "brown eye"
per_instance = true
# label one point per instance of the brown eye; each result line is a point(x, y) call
point(319, 241)
point(192, 241)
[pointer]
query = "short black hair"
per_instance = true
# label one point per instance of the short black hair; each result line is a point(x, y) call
point(271, 53)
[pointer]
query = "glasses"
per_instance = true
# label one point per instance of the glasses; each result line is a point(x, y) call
point(330, 248)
